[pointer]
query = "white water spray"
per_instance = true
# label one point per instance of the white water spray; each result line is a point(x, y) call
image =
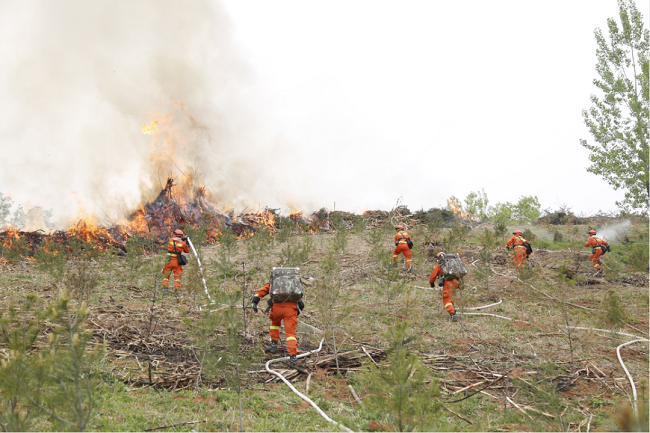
point(614, 232)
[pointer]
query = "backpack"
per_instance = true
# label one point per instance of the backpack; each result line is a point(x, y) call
point(529, 249)
point(452, 267)
point(286, 285)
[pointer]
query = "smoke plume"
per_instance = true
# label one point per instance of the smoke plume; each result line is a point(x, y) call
point(81, 78)
point(615, 232)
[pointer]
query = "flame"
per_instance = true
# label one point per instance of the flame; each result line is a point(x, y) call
point(151, 128)
point(460, 212)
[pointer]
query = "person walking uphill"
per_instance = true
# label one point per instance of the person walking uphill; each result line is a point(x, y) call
point(518, 243)
point(598, 248)
point(176, 246)
point(286, 290)
point(403, 244)
point(447, 286)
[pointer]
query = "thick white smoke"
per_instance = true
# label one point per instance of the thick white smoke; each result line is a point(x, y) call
point(615, 232)
point(79, 78)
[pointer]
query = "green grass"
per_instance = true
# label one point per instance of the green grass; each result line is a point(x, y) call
point(272, 407)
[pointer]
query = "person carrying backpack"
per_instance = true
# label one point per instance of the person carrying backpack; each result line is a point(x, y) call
point(447, 286)
point(521, 247)
point(403, 245)
point(287, 311)
point(176, 246)
point(598, 248)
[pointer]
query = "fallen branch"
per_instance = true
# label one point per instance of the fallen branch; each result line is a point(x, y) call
point(354, 394)
point(176, 425)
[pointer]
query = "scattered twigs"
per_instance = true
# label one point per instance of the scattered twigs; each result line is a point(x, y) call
point(354, 394)
point(176, 425)
point(452, 412)
point(298, 393)
point(484, 306)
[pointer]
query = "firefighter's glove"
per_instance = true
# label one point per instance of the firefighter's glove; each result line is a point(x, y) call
point(396, 243)
point(301, 305)
point(432, 284)
point(256, 301)
point(441, 282)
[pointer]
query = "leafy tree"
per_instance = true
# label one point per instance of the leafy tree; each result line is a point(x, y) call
point(618, 121)
point(476, 203)
point(527, 209)
point(5, 208)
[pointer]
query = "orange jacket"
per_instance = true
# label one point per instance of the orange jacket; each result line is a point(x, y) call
point(516, 241)
point(176, 245)
point(401, 237)
point(595, 242)
point(436, 271)
point(265, 291)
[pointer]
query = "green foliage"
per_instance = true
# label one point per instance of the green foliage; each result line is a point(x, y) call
point(557, 236)
point(618, 120)
point(399, 393)
point(53, 259)
point(296, 252)
point(331, 312)
point(476, 203)
point(81, 279)
point(612, 312)
point(135, 255)
point(227, 243)
point(456, 234)
point(543, 394)
point(58, 381)
point(637, 256)
point(529, 235)
point(527, 210)
point(219, 340)
point(258, 246)
point(502, 214)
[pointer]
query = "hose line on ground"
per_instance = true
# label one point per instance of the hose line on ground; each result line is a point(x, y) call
point(629, 377)
point(205, 286)
point(304, 397)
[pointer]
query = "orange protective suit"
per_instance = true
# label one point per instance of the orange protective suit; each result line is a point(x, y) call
point(595, 242)
point(402, 247)
point(287, 311)
point(447, 288)
point(520, 251)
point(176, 245)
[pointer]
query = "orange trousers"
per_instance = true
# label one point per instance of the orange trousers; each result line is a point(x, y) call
point(595, 257)
point(520, 258)
point(447, 288)
point(287, 311)
point(172, 266)
point(404, 249)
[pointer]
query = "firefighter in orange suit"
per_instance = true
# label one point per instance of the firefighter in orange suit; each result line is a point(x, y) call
point(287, 311)
point(176, 245)
point(401, 246)
point(447, 287)
point(596, 243)
point(516, 242)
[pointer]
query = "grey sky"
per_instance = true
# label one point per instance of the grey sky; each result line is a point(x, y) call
point(303, 103)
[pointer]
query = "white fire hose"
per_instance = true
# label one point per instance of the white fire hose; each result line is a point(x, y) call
point(205, 286)
point(301, 395)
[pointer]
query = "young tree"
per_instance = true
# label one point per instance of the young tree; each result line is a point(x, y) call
point(401, 392)
point(619, 121)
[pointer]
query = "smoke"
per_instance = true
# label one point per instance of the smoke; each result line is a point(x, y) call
point(80, 78)
point(615, 232)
